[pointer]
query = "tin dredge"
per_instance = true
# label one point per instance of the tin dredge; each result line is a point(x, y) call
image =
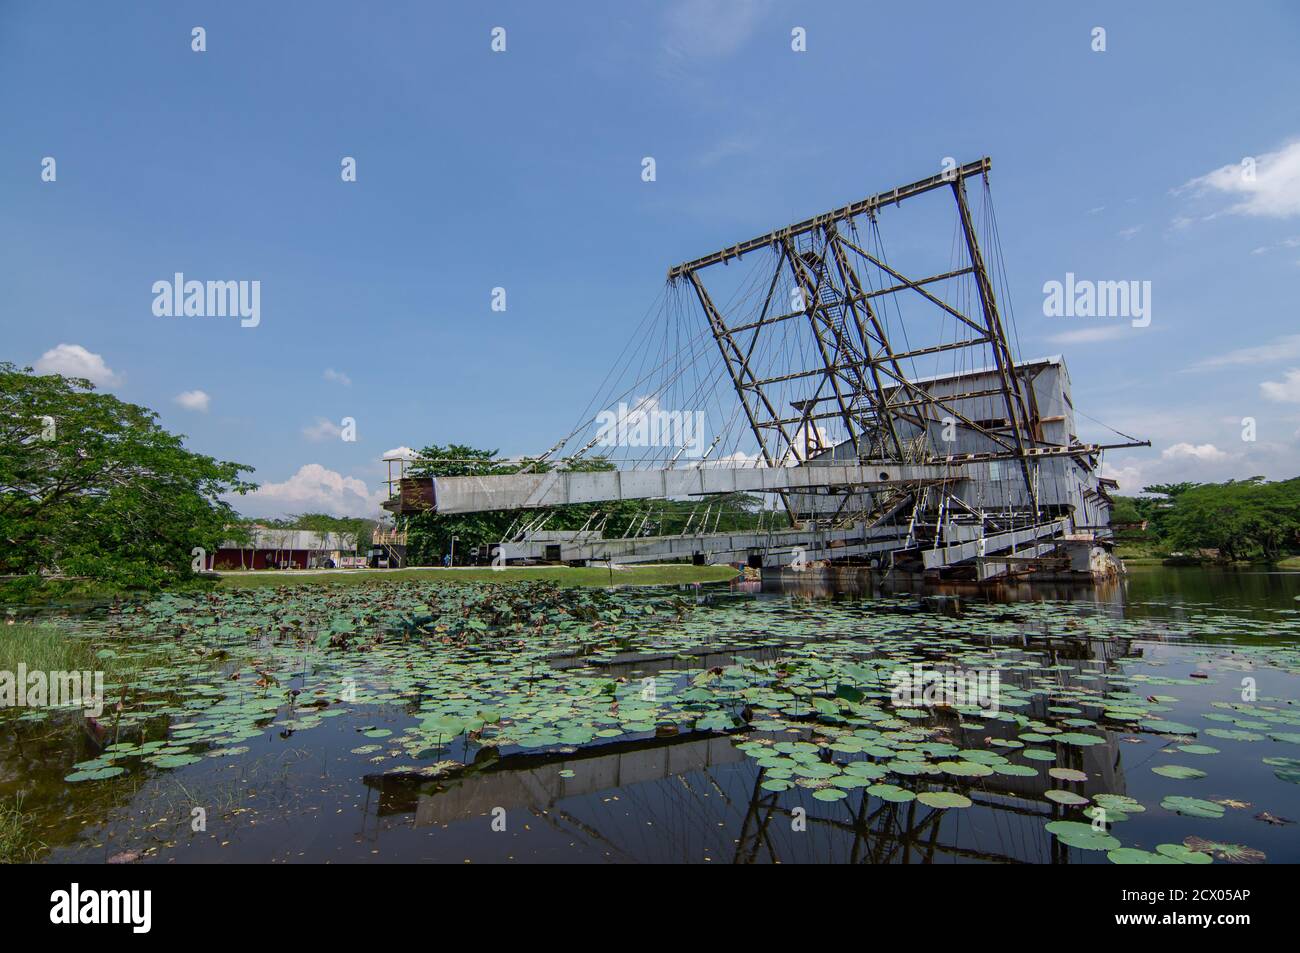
point(874, 401)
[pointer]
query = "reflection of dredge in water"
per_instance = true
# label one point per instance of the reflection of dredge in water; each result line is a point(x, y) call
point(663, 787)
point(1106, 594)
point(652, 798)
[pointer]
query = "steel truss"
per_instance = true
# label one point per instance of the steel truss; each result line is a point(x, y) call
point(860, 379)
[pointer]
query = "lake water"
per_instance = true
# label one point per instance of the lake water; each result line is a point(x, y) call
point(1149, 720)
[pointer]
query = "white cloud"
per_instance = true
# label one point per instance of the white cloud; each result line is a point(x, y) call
point(1284, 348)
point(1127, 233)
point(1205, 452)
point(1131, 478)
point(1284, 243)
point(313, 489)
point(1286, 391)
point(73, 360)
point(1102, 332)
point(1273, 191)
point(1197, 464)
point(400, 453)
point(337, 377)
point(322, 429)
point(194, 400)
point(1202, 445)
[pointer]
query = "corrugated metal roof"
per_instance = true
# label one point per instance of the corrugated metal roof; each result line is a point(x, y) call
point(1054, 359)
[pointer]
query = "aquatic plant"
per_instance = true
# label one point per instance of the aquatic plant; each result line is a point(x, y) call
point(505, 670)
point(18, 841)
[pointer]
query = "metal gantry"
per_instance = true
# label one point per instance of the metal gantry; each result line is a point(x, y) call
point(913, 470)
point(861, 382)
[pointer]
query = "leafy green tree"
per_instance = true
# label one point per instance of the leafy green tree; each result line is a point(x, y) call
point(1242, 519)
point(429, 535)
point(93, 486)
point(1158, 504)
point(1126, 510)
point(1171, 490)
point(354, 531)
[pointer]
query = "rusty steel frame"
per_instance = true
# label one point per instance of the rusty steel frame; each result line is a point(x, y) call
point(868, 387)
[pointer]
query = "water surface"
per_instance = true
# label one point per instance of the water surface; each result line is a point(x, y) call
point(391, 724)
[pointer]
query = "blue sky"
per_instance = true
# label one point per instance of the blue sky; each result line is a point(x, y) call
point(522, 170)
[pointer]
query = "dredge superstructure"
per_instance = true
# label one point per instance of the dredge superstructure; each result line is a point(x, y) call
point(876, 404)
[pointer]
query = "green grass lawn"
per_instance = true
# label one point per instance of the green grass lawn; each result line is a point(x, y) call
point(653, 575)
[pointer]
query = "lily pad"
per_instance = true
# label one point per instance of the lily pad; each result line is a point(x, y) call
point(1184, 854)
point(943, 799)
point(891, 792)
point(1132, 855)
point(1193, 807)
point(1068, 774)
point(1082, 836)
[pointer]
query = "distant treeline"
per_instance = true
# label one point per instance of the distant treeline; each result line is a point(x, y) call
point(354, 531)
point(1242, 519)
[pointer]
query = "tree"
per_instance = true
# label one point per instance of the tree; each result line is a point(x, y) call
point(1127, 509)
point(429, 535)
point(1171, 490)
point(354, 531)
point(1159, 505)
point(1242, 519)
point(93, 486)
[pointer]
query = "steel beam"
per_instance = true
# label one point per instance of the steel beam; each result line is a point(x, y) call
point(475, 494)
point(892, 197)
point(943, 556)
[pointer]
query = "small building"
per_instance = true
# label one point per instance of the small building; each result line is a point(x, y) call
point(285, 549)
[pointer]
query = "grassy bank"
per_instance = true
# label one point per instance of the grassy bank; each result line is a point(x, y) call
point(47, 649)
point(39, 591)
point(1133, 550)
point(654, 575)
point(36, 591)
point(18, 841)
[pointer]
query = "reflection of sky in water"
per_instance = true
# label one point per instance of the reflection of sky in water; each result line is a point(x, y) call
point(308, 797)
